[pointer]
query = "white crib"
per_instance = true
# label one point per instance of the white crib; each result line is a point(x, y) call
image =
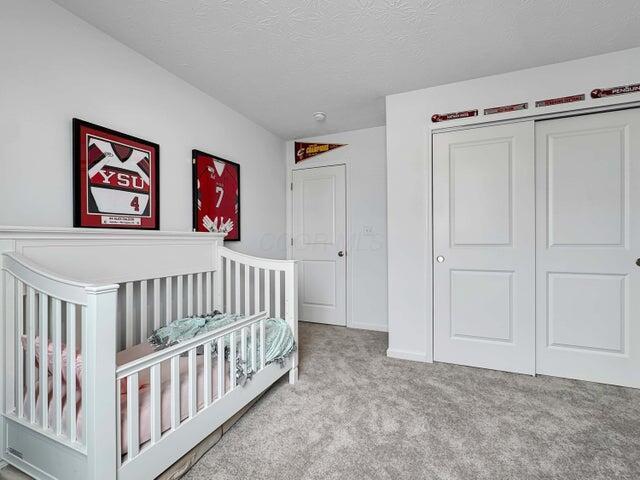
point(104, 292)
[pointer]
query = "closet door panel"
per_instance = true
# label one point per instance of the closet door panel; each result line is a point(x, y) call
point(588, 229)
point(484, 247)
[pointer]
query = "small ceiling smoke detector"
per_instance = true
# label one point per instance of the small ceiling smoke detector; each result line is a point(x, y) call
point(320, 116)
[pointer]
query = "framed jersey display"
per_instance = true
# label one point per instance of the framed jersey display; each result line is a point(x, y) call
point(116, 179)
point(216, 195)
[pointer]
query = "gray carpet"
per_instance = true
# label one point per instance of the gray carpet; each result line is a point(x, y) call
point(356, 414)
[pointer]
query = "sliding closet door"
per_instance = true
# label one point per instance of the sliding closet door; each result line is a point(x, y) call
point(588, 227)
point(483, 214)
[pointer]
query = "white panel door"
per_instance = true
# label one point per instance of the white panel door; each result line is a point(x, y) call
point(588, 227)
point(319, 225)
point(484, 265)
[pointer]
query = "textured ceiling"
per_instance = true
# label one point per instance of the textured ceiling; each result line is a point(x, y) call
point(279, 61)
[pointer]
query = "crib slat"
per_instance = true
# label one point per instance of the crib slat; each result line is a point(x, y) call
point(263, 346)
point(128, 312)
point(220, 367)
point(175, 392)
point(208, 290)
point(189, 295)
point(179, 300)
point(169, 292)
point(237, 289)
point(44, 360)
point(155, 411)
point(267, 291)
point(31, 353)
point(247, 290)
point(133, 413)
point(144, 321)
point(156, 303)
point(216, 288)
point(71, 371)
point(254, 346)
point(227, 285)
point(193, 385)
point(276, 297)
point(243, 349)
point(57, 365)
point(10, 321)
point(19, 351)
point(206, 374)
point(232, 360)
point(256, 289)
point(199, 294)
point(83, 377)
point(119, 423)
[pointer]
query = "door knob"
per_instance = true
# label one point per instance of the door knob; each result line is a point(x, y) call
point(440, 258)
point(638, 262)
point(341, 253)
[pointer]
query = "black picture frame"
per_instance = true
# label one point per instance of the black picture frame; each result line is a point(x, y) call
point(194, 188)
point(77, 127)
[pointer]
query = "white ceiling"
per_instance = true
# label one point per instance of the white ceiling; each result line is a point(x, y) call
point(279, 61)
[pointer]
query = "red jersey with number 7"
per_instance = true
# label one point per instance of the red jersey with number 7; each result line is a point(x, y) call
point(217, 196)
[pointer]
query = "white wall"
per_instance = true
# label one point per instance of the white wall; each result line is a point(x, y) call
point(365, 160)
point(409, 169)
point(54, 66)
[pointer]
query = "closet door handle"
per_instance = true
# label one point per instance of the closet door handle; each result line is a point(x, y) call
point(341, 253)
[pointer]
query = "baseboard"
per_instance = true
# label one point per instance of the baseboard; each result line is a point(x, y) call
point(413, 356)
point(369, 326)
point(3, 464)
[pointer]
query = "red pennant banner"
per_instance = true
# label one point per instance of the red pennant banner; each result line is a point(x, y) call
point(307, 150)
point(506, 108)
point(560, 100)
point(443, 117)
point(608, 92)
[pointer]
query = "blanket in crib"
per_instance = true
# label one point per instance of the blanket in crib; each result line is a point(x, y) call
point(279, 341)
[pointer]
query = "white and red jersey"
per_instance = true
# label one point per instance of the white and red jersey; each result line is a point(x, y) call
point(116, 181)
point(118, 178)
point(218, 195)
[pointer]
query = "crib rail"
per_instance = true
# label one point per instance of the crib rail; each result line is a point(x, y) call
point(217, 373)
point(46, 338)
point(252, 284)
point(43, 281)
point(148, 304)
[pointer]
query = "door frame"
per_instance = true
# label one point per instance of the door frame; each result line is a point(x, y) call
point(429, 249)
point(347, 240)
